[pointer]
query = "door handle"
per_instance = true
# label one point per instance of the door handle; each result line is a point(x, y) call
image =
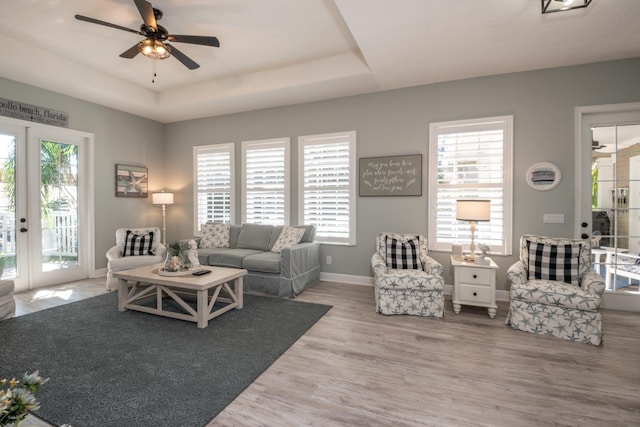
point(23, 230)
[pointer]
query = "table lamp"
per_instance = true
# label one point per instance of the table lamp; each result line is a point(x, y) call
point(473, 210)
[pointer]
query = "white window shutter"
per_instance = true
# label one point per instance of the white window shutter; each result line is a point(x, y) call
point(327, 185)
point(470, 160)
point(266, 182)
point(214, 190)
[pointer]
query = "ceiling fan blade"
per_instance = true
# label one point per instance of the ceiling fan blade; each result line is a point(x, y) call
point(204, 40)
point(146, 11)
point(131, 52)
point(106, 24)
point(186, 61)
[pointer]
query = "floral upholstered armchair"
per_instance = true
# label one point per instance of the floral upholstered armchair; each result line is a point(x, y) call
point(407, 281)
point(554, 291)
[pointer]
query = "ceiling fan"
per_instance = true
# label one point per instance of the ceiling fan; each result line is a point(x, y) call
point(155, 44)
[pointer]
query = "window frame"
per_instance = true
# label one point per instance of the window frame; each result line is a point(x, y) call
point(505, 123)
point(321, 139)
point(268, 143)
point(220, 148)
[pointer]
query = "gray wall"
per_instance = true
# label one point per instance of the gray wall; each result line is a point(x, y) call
point(119, 138)
point(397, 122)
point(387, 123)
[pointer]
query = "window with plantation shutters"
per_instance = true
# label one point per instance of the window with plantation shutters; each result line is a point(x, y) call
point(327, 176)
point(470, 159)
point(265, 181)
point(213, 178)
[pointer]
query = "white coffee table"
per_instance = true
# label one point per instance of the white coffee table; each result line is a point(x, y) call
point(139, 285)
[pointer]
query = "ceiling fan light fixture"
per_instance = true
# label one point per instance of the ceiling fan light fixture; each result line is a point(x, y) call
point(154, 49)
point(550, 6)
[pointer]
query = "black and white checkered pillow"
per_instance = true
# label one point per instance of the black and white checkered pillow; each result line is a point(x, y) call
point(138, 244)
point(404, 255)
point(555, 262)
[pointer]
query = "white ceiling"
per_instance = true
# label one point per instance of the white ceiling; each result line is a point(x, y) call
point(281, 52)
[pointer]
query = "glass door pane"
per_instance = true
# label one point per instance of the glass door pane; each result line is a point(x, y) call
point(59, 205)
point(7, 206)
point(616, 206)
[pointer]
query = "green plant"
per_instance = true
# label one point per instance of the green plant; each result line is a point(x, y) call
point(174, 249)
point(17, 398)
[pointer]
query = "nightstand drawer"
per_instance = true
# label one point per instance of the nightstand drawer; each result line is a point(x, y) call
point(475, 293)
point(475, 275)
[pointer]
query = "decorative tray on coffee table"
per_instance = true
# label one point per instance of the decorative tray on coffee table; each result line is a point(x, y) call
point(181, 272)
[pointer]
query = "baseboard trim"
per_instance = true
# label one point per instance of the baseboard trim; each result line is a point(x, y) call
point(349, 279)
point(346, 278)
point(101, 272)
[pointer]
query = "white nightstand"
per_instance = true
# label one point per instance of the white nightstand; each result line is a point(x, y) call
point(474, 284)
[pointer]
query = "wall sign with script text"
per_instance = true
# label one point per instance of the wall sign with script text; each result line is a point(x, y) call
point(33, 113)
point(390, 176)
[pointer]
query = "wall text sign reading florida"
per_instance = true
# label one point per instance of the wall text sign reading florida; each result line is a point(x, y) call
point(391, 176)
point(33, 113)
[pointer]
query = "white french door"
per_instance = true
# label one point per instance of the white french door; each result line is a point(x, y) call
point(44, 227)
point(608, 203)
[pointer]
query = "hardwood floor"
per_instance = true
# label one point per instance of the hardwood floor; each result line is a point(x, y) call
point(358, 368)
point(43, 298)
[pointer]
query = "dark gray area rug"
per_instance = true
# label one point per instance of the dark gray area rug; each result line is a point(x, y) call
point(111, 368)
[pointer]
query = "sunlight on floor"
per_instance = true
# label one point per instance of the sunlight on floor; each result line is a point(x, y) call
point(53, 293)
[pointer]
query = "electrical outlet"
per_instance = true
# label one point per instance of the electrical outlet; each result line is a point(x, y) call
point(328, 259)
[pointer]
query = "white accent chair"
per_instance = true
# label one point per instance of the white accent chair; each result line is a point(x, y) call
point(117, 262)
point(7, 301)
point(553, 307)
point(407, 291)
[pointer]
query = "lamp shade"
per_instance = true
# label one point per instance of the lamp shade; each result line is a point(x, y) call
point(162, 198)
point(549, 6)
point(473, 210)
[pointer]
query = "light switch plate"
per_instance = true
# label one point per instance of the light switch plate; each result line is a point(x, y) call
point(553, 218)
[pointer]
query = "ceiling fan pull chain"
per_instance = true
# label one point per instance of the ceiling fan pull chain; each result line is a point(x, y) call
point(153, 80)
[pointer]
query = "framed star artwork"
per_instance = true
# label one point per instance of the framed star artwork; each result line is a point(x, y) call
point(132, 181)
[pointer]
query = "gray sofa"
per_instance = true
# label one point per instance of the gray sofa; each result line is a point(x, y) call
point(283, 274)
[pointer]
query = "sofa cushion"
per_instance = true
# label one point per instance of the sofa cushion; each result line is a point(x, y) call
point(138, 243)
point(254, 236)
point(403, 254)
point(309, 233)
point(289, 236)
point(414, 280)
point(121, 235)
point(204, 253)
point(308, 236)
point(266, 262)
point(554, 293)
point(554, 262)
point(128, 262)
point(275, 233)
point(214, 235)
point(230, 257)
point(234, 232)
